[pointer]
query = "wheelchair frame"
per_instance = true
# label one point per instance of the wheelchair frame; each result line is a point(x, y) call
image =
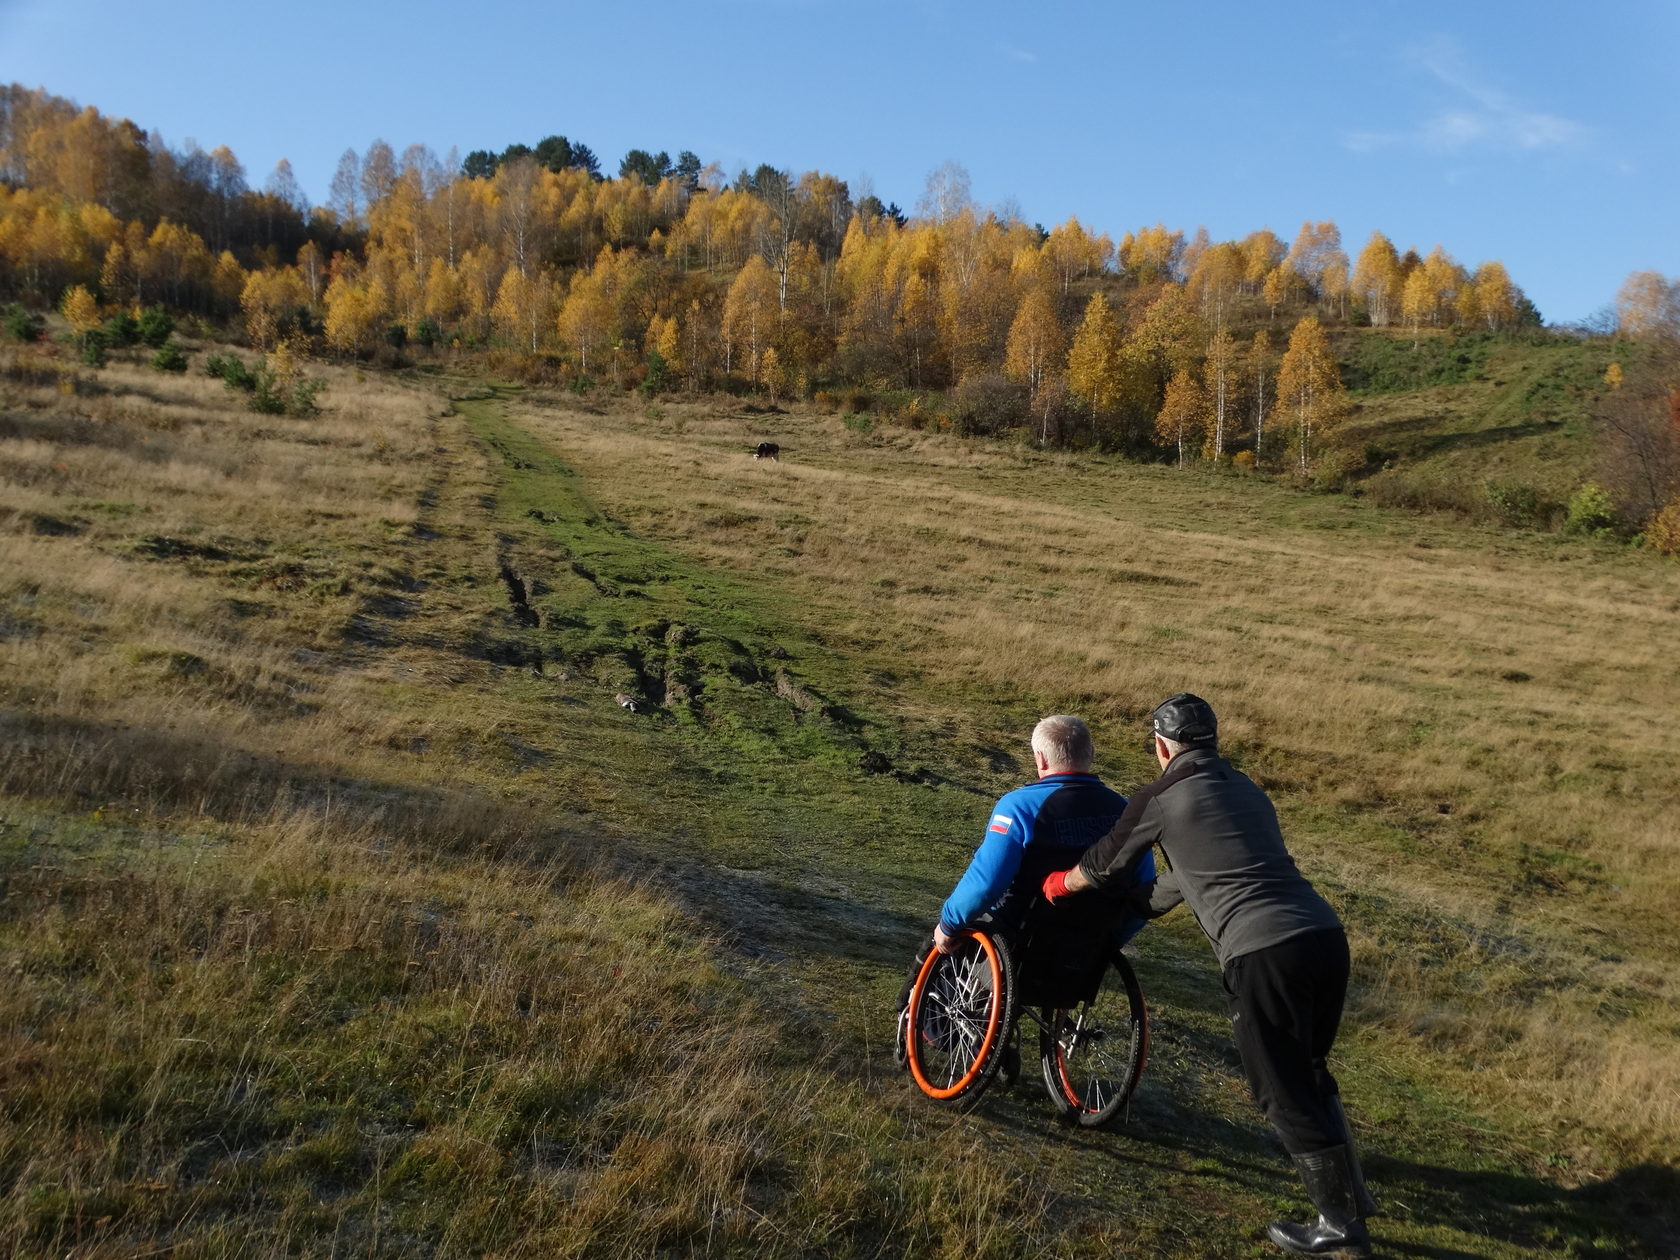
point(963, 1014)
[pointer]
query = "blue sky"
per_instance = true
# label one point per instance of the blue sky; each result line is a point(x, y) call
point(1542, 134)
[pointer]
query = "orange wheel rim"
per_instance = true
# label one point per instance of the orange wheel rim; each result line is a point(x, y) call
point(993, 1019)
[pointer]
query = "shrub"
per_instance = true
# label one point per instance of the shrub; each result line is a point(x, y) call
point(169, 358)
point(276, 388)
point(23, 326)
point(122, 330)
point(1590, 511)
point(986, 405)
point(1514, 502)
point(94, 344)
point(265, 399)
point(301, 401)
point(230, 369)
point(1662, 535)
point(657, 372)
point(155, 326)
point(1338, 467)
point(1243, 461)
point(427, 332)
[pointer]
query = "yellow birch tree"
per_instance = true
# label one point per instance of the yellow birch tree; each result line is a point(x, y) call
point(749, 317)
point(80, 310)
point(1183, 414)
point(1309, 383)
point(1096, 359)
point(1036, 342)
point(1377, 279)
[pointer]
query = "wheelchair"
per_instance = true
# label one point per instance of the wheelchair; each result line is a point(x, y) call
point(956, 1032)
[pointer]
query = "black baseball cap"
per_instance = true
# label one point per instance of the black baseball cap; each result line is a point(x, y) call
point(1185, 719)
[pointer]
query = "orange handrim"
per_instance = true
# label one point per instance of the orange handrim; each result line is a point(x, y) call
point(993, 1022)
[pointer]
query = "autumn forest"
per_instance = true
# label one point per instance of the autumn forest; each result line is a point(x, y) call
point(674, 276)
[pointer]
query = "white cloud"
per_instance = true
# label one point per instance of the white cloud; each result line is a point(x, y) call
point(1482, 116)
point(1018, 54)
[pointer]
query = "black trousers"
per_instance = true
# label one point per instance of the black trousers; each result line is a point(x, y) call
point(1286, 1004)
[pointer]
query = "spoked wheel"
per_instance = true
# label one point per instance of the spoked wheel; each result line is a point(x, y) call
point(961, 1010)
point(1094, 1053)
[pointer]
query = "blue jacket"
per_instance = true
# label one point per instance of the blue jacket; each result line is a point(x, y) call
point(1042, 827)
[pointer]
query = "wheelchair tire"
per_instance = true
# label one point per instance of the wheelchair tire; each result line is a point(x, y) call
point(962, 1008)
point(1093, 1054)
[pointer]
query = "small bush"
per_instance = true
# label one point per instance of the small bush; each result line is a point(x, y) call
point(1397, 489)
point(122, 330)
point(1662, 535)
point(23, 326)
point(658, 370)
point(230, 369)
point(305, 390)
point(1590, 511)
point(93, 347)
point(1514, 502)
point(273, 392)
point(1337, 468)
point(427, 332)
point(155, 326)
point(169, 358)
point(1243, 461)
point(984, 406)
point(858, 421)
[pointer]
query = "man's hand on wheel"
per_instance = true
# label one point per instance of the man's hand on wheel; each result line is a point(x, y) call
point(1055, 886)
point(945, 942)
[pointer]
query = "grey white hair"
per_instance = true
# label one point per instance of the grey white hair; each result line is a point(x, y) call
point(1065, 742)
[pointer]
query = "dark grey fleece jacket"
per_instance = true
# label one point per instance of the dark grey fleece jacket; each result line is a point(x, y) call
point(1226, 853)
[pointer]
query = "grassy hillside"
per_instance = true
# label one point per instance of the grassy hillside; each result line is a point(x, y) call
point(346, 911)
point(1496, 429)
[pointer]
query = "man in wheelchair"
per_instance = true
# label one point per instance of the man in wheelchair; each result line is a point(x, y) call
point(1043, 827)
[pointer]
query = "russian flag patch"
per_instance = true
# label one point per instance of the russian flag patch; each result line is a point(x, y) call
point(1000, 823)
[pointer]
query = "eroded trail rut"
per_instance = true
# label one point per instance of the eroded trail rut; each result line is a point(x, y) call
point(815, 831)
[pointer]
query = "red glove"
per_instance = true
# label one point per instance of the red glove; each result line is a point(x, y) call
point(1055, 885)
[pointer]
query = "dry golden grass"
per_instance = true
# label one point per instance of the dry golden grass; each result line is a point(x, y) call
point(313, 953)
point(120, 503)
point(302, 955)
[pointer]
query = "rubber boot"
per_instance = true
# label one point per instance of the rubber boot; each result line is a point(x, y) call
point(1330, 1177)
point(1367, 1205)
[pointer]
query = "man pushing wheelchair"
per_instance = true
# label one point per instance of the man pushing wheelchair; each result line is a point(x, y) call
point(1280, 945)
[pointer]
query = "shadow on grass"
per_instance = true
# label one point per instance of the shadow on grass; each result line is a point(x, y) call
point(1417, 438)
point(1210, 1160)
point(113, 766)
point(1630, 1214)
